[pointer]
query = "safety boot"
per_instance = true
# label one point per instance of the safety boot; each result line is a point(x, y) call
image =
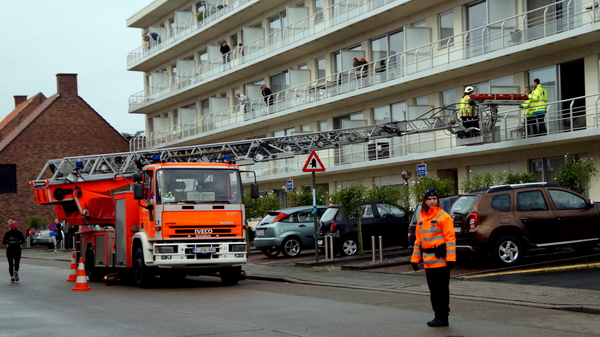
point(436, 323)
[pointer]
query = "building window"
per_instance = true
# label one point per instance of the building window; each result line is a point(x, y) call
point(318, 10)
point(421, 100)
point(277, 22)
point(321, 68)
point(387, 45)
point(285, 132)
point(449, 102)
point(8, 178)
point(389, 113)
point(303, 66)
point(323, 125)
point(305, 127)
point(280, 82)
point(446, 29)
point(349, 121)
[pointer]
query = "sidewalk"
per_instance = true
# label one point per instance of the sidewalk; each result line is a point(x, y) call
point(409, 283)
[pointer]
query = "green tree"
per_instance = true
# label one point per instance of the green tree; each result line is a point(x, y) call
point(487, 179)
point(304, 197)
point(37, 222)
point(443, 187)
point(520, 178)
point(351, 199)
point(257, 208)
point(576, 174)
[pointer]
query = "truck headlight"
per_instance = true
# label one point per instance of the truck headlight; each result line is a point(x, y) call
point(237, 248)
point(166, 249)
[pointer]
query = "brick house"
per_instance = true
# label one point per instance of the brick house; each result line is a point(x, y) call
point(39, 129)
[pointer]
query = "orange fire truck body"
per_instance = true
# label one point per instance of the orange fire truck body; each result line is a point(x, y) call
point(176, 219)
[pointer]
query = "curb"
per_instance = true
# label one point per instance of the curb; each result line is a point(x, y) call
point(283, 279)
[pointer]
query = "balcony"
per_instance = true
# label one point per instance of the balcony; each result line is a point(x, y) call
point(385, 76)
point(567, 121)
point(336, 22)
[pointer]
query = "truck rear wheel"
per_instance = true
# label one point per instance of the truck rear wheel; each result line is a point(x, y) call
point(231, 276)
point(142, 275)
point(91, 270)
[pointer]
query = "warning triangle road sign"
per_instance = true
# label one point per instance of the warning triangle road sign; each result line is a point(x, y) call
point(313, 163)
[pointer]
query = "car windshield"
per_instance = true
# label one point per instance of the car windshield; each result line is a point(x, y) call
point(463, 204)
point(195, 186)
point(329, 214)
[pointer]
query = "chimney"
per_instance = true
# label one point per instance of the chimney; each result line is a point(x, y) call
point(66, 84)
point(20, 99)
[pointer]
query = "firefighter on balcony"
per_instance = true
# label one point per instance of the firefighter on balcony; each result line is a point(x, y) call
point(467, 114)
point(538, 101)
point(435, 245)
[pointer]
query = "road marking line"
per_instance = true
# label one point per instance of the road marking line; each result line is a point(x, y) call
point(538, 270)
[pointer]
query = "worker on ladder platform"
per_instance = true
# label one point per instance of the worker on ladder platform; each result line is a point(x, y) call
point(467, 114)
point(538, 100)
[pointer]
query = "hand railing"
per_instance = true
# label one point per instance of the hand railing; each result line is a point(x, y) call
point(325, 88)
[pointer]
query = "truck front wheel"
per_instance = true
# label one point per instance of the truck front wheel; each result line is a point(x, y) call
point(142, 275)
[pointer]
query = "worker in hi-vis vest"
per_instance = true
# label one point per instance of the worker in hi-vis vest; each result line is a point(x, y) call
point(528, 116)
point(467, 114)
point(435, 246)
point(538, 103)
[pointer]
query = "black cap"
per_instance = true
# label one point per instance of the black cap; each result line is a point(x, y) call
point(431, 192)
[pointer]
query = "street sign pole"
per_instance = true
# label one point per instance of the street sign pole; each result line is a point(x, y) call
point(316, 234)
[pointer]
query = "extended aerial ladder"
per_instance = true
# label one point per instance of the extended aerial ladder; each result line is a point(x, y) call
point(247, 152)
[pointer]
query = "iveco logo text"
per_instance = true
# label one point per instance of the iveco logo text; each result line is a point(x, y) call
point(203, 231)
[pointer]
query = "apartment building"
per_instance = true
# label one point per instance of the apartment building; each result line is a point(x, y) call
point(418, 57)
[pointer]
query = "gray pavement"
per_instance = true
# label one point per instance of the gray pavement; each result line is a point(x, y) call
point(410, 283)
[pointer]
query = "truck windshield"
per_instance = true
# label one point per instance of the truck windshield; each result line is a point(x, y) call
point(198, 186)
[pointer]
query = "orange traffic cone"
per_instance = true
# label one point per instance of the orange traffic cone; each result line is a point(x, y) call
point(73, 276)
point(81, 284)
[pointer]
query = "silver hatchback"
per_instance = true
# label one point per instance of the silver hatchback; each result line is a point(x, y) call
point(287, 231)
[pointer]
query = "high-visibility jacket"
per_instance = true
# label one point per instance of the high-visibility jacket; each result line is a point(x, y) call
point(538, 99)
point(465, 107)
point(527, 111)
point(434, 228)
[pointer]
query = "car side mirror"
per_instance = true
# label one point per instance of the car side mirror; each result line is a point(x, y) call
point(590, 204)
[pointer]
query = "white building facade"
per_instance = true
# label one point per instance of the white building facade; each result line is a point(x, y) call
point(419, 55)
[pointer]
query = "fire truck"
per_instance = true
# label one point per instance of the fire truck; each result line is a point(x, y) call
point(179, 211)
point(143, 216)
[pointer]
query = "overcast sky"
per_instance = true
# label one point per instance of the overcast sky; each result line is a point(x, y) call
point(42, 38)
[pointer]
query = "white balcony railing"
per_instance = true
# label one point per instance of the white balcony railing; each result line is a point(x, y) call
point(185, 29)
point(271, 44)
point(566, 116)
point(438, 53)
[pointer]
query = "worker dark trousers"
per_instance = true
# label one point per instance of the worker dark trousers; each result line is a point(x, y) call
point(438, 280)
point(541, 124)
point(14, 259)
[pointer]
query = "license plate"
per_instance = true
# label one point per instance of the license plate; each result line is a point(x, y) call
point(457, 229)
point(204, 250)
point(260, 231)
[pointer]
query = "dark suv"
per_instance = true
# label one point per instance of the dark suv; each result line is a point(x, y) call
point(378, 219)
point(506, 220)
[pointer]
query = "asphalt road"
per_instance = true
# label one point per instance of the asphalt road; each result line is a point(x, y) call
point(42, 304)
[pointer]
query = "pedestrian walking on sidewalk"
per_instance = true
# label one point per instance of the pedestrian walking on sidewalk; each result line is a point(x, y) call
point(13, 239)
point(435, 246)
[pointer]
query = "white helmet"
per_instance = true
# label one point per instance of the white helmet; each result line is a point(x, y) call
point(469, 89)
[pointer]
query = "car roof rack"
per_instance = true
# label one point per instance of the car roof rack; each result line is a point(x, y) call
point(500, 188)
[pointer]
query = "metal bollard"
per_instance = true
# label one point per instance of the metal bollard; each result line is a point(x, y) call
point(373, 249)
point(380, 249)
point(326, 244)
point(331, 247)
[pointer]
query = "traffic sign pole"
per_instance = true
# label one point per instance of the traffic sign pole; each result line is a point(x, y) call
point(316, 235)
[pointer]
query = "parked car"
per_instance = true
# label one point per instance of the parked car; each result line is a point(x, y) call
point(445, 202)
point(287, 231)
point(43, 238)
point(379, 219)
point(509, 219)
